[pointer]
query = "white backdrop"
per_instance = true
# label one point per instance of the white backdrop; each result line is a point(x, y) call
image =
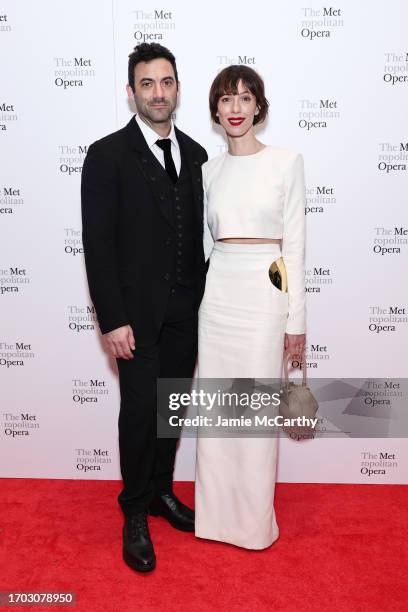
point(337, 81)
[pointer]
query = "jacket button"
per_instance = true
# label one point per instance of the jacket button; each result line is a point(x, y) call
point(167, 276)
point(144, 160)
point(153, 178)
point(168, 242)
point(196, 163)
point(162, 198)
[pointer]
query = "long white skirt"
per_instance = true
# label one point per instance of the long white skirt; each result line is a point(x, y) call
point(242, 322)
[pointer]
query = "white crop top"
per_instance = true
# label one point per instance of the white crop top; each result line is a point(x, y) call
point(261, 196)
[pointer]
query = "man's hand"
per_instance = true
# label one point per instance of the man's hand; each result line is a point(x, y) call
point(120, 342)
point(294, 344)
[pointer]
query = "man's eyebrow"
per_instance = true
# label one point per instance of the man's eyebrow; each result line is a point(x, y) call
point(151, 80)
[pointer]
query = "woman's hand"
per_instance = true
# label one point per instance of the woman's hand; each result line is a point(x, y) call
point(295, 344)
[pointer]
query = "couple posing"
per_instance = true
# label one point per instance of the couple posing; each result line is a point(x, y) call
point(145, 215)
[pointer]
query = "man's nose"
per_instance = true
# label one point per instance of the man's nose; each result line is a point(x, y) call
point(158, 90)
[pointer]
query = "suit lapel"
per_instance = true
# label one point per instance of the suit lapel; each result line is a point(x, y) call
point(194, 169)
point(150, 169)
point(153, 173)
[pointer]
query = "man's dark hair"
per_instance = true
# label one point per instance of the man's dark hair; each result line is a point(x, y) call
point(226, 82)
point(146, 52)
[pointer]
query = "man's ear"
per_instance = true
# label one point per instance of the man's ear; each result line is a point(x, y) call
point(130, 92)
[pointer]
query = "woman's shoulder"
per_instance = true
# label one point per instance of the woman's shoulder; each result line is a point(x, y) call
point(211, 167)
point(282, 158)
point(285, 161)
point(282, 154)
point(213, 163)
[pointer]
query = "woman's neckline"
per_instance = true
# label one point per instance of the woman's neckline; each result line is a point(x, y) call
point(249, 155)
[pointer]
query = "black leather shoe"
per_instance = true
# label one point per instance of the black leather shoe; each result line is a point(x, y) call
point(138, 551)
point(179, 516)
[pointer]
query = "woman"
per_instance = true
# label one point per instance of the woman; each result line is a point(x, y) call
point(254, 215)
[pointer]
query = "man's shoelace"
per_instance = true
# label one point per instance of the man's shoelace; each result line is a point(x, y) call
point(138, 524)
point(171, 503)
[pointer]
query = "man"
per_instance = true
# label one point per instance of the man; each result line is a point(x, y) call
point(142, 211)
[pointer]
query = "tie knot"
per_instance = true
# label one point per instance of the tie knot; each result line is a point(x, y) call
point(164, 144)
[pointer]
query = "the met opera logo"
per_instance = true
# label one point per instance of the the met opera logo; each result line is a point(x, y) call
point(318, 278)
point(15, 354)
point(383, 319)
point(152, 26)
point(318, 23)
point(10, 198)
point(81, 318)
point(392, 157)
point(71, 159)
point(88, 391)
point(389, 240)
point(8, 115)
point(72, 72)
point(396, 68)
point(12, 280)
point(317, 198)
point(317, 113)
point(4, 23)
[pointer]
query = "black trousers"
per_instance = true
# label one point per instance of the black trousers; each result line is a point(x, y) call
point(147, 462)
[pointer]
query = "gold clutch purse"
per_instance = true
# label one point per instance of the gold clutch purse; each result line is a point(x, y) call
point(277, 275)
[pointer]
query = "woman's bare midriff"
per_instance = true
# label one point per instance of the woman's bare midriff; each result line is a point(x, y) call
point(251, 240)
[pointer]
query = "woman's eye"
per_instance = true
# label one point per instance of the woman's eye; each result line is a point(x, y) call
point(224, 99)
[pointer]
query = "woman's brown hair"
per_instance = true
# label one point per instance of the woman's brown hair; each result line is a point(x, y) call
point(226, 82)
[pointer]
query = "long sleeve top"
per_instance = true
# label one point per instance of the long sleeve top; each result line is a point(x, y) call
point(261, 196)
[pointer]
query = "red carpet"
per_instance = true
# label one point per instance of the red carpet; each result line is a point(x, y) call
point(341, 548)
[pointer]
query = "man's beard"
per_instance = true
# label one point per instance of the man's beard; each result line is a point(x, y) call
point(155, 115)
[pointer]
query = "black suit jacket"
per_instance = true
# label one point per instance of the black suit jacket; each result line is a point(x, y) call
point(128, 230)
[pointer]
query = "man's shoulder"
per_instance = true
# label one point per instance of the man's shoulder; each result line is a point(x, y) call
point(110, 142)
point(193, 144)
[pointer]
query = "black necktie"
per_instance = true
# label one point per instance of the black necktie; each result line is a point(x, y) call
point(165, 145)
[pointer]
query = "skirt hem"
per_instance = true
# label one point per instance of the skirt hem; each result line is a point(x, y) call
point(216, 538)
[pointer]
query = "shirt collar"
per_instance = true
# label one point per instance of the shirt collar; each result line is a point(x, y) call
point(151, 136)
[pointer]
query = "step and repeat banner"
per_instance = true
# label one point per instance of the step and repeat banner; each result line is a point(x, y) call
point(337, 81)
